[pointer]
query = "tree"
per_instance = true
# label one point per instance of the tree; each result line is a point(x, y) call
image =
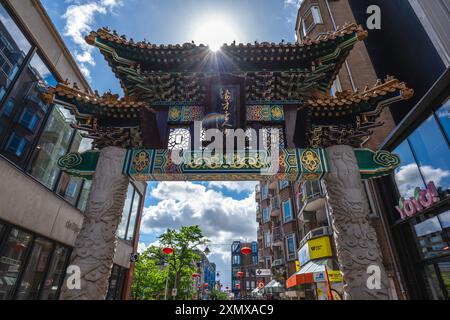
point(153, 266)
point(218, 295)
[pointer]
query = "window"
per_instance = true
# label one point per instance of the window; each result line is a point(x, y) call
point(35, 271)
point(443, 115)
point(311, 18)
point(236, 259)
point(432, 154)
point(284, 184)
point(56, 274)
point(267, 239)
point(25, 110)
point(16, 145)
point(266, 215)
point(291, 247)
point(13, 49)
point(126, 213)
point(30, 267)
point(13, 252)
point(268, 262)
point(265, 191)
point(287, 212)
point(432, 236)
point(133, 217)
point(116, 283)
point(54, 143)
point(179, 139)
point(407, 175)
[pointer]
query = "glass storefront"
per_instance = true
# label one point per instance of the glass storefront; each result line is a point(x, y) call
point(31, 267)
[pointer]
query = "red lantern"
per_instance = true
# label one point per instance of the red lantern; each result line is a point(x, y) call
point(238, 285)
point(168, 250)
point(195, 275)
point(246, 251)
point(240, 274)
point(206, 285)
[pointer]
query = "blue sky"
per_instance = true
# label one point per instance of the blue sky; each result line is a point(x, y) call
point(224, 210)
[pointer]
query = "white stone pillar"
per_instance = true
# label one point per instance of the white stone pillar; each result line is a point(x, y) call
point(96, 244)
point(358, 250)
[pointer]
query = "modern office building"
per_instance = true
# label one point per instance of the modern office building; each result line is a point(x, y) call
point(41, 211)
point(243, 269)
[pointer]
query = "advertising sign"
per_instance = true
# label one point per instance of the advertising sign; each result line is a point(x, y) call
point(297, 266)
point(335, 276)
point(314, 249)
point(320, 248)
point(263, 273)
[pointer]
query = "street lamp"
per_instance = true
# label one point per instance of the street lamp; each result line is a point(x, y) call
point(167, 251)
point(207, 251)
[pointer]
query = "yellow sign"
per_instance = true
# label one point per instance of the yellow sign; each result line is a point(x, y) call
point(320, 248)
point(297, 266)
point(335, 276)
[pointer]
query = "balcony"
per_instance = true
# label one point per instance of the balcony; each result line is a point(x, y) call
point(275, 208)
point(313, 195)
point(277, 237)
point(319, 232)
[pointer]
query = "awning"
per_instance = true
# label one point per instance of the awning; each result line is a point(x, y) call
point(274, 287)
point(312, 272)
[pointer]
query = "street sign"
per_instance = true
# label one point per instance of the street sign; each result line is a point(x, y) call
point(263, 273)
point(261, 285)
point(174, 292)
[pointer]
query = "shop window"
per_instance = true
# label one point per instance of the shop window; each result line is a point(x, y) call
point(266, 215)
point(265, 191)
point(290, 247)
point(433, 283)
point(407, 175)
point(35, 270)
point(53, 144)
point(443, 114)
point(432, 236)
point(29, 111)
point(311, 18)
point(13, 49)
point(432, 154)
point(116, 283)
point(56, 274)
point(13, 252)
point(287, 211)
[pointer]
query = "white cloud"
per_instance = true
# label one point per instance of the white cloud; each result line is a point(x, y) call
point(222, 219)
point(79, 18)
point(295, 3)
point(236, 186)
point(408, 178)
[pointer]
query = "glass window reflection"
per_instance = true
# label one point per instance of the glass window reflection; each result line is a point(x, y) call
point(126, 213)
point(133, 217)
point(12, 257)
point(432, 154)
point(443, 115)
point(407, 175)
point(26, 110)
point(35, 270)
point(13, 49)
point(55, 275)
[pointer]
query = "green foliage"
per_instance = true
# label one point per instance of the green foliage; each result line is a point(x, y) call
point(218, 295)
point(153, 266)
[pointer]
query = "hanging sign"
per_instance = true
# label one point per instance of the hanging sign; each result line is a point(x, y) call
point(422, 200)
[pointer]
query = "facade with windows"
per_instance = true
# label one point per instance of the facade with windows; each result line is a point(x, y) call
point(419, 226)
point(242, 286)
point(42, 208)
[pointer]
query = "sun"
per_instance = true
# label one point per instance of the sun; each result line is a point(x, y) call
point(214, 32)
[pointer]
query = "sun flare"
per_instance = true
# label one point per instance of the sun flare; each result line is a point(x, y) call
point(214, 32)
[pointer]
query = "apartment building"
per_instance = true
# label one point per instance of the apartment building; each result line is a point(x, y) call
point(244, 263)
point(41, 208)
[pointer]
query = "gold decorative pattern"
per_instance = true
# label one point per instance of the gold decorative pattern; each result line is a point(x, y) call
point(310, 160)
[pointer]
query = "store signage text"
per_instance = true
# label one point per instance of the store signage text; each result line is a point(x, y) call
point(423, 199)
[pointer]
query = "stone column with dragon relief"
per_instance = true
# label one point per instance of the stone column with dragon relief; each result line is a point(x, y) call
point(358, 250)
point(96, 244)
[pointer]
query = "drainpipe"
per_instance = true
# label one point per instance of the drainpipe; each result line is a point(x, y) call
point(346, 62)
